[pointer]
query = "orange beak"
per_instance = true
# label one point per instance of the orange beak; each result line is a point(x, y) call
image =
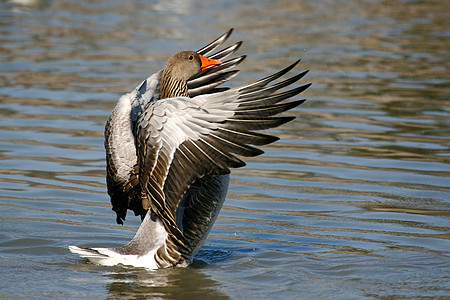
point(208, 63)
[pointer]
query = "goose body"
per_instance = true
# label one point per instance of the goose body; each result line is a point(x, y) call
point(170, 144)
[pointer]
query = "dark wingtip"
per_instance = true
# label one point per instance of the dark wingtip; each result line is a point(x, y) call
point(227, 34)
point(302, 74)
point(216, 43)
point(274, 139)
point(264, 81)
point(292, 104)
point(306, 86)
point(238, 164)
point(286, 119)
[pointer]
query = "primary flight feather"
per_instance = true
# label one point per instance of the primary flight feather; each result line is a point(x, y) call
point(170, 144)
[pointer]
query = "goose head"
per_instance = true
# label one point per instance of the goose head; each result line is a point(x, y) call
point(179, 68)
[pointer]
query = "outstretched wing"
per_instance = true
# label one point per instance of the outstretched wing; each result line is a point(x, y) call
point(180, 140)
point(207, 81)
point(122, 170)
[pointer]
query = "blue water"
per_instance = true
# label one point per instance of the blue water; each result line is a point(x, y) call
point(351, 203)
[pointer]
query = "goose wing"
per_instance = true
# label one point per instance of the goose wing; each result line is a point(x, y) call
point(180, 140)
point(121, 160)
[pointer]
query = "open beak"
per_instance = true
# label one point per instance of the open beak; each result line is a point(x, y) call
point(208, 63)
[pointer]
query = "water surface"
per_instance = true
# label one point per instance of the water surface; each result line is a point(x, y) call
point(351, 203)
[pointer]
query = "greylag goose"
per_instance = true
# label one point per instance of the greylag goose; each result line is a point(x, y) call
point(170, 144)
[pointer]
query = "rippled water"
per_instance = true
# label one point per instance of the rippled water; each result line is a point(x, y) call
point(352, 202)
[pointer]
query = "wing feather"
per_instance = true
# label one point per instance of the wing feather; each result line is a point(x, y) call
point(200, 137)
point(215, 44)
point(121, 153)
point(186, 146)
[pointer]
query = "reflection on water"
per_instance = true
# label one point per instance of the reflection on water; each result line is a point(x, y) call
point(165, 284)
point(352, 202)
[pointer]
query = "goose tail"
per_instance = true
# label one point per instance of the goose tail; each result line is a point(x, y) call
point(103, 256)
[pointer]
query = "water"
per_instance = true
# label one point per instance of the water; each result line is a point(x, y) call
point(351, 203)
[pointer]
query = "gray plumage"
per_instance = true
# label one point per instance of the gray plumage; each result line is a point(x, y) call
point(171, 142)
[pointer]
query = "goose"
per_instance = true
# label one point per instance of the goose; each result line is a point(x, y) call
point(170, 144)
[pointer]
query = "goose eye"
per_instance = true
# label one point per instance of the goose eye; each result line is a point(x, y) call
point(191, 57)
